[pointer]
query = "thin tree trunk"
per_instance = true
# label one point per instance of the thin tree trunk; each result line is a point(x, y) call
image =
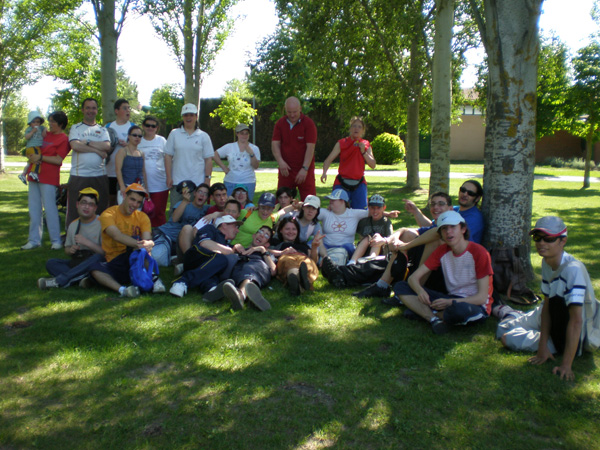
point(412, 122)
point(442, 97)
point(108, 58)
point(188, 54)
point(2, 147)
point(589, 145)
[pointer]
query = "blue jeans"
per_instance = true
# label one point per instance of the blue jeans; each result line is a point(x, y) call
point(231, 186)
point(43, 196)
point(68, 276)
point(161, 251)
point(358, 197)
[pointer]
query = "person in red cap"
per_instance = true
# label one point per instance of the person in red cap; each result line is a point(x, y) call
point(559, 325)
point(124, 229)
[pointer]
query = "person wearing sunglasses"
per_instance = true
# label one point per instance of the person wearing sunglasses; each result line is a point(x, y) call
point(129, 163)
point(559, 325)
point(469, 195)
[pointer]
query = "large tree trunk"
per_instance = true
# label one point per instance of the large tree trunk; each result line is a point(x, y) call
point(108, 58)
point(188, 54)
point(412, 121)
point(589, 145)
point(2, 148)
point(511, 39)
point(442, 97)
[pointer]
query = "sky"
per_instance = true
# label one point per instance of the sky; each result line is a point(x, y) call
point(149, 63)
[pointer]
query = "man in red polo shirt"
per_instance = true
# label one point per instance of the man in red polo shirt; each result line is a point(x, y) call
point(293, 146)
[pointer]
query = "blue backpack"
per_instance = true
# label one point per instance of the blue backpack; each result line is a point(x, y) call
point(139, 274)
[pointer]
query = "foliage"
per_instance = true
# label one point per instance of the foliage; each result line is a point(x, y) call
point(166, 103)
point(233, 110)
point(240, 87)
point(388, 148)
point(196, 31)
point(573, 163)
point(14, 118)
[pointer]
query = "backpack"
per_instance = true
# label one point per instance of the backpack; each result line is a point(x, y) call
point(510, 278)
point(139, 274)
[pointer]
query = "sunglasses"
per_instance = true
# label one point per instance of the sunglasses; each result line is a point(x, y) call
point(265, 234)
point(542, 237)
point(432, 204)
point(150, 125)
point(135, 135)
point(464, 190)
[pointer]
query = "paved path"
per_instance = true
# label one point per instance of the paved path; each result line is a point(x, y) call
point(17, 167)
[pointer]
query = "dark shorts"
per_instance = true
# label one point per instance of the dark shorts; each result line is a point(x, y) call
point(118, 268)
point(253, 270)
point(112, 185)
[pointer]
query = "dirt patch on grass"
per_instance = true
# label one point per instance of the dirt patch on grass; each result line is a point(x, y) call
point(211, 318)
point(316, 395)
point(154, 429)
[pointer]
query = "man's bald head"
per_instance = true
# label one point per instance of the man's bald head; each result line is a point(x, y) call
point(293, 109)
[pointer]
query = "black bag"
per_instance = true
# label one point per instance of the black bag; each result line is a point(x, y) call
point(510, 278)
point(349, 184)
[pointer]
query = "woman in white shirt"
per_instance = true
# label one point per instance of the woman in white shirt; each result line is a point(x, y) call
point(243, 158)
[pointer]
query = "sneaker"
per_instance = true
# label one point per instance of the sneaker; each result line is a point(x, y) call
point(34, 176)
point(234, 295)
point(56, 246)
point(256, 297)
point(439, 326)
point(303, 275)
point(178, 269)
point(86, 283)
point(332, 273)
point(159, 287)
point(392, 301)
point(131, 292)
point(365, 259)
point(178, 289)
point(505, 312)
point(30, 246)
point(47, 283)
point(216, 294)
point(293, 283)
point(23, 178)
point(373, 291)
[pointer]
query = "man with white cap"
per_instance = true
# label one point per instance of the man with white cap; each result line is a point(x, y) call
point(207, 258)
point(188, 154)
point(467, 272)
point(558, 325)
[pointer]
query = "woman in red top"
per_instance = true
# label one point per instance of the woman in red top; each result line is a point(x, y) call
point(42, 193)
point(354, 152)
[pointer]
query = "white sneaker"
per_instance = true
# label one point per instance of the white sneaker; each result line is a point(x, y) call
point(56, 246)
point(178, 289)
point(47, 283)
point(158, 287)
point(86, 283)
point(178, 269)
point(23, 178)
point(29, 246)
point(131, 292)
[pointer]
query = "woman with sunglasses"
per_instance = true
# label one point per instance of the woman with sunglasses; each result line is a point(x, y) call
point(129, 163)
point(153, 147)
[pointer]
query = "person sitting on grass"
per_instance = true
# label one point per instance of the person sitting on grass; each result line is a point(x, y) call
point(467, 270)
point(83, 245)
point(204, 262)
point(240, 193)
point(218, 197)
point(124, 229)
point(285, 197)
point(373, 230)
point(559, 324)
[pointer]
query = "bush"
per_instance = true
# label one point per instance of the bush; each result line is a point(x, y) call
point(388, 149)
point(573, 163)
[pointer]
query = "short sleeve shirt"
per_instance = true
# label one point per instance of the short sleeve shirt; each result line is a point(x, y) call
point(340, 229)
point(91, 231)
point(189, 152)
point(87, 164)
point(367, 227)
point(294, 139)
point(134, 225)
point(250, 226)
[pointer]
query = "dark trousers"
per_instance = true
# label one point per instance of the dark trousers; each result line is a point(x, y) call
point(201, 268)
point(68, 276)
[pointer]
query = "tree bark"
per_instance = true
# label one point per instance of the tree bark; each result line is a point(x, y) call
point(442, 97)
point(188, 53)
point(510, 36)
point(412, 121)
point(105, 18)
point(589, 145)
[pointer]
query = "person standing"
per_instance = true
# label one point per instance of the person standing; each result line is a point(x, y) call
point(189, 153)
point(91, 144)
point(121, 127)
point(293, 146)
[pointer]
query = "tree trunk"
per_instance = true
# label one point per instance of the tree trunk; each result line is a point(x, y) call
point(188, 53)
point(589, 146)
point(412, 121)
point(511, 39)
point(442, 97)
point(2, 147)
point(108, 58)
point(200, 51)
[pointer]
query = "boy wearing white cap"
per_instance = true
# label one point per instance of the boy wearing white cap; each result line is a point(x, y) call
point(467, 272)
point(559, 325)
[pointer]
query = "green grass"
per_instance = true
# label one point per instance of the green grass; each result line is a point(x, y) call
point(85, 369)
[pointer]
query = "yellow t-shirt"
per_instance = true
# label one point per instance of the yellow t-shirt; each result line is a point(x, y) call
point(133, 225)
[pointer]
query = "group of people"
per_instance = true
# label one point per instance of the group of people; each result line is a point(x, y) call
point(233, 248)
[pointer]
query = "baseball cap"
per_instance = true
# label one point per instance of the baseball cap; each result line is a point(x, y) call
point(376, 200)
point(267, 199)
point(136, 187)
point(241, 127)
point(227, 219)
point(312, 200)
point(189, 108)
point(239, 186)
point(338, 194)
point(550, 226)
point(89, 191)
point(449, 218)
point(186, 184)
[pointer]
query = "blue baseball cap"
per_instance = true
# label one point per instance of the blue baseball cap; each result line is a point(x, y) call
point(338, 194)
point(267, 199)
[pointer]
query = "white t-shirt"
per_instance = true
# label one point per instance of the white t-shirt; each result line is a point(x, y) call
point(154, 151)
point(240, 163)
point(122, 131)
point(188, 152)
point(340, 229)
point(87, 164)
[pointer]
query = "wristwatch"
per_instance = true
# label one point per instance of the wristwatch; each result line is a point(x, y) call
point(252, 155)
point(305, 168)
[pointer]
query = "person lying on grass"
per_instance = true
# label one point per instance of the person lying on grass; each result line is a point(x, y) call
point(467, 270)
point(559, 325)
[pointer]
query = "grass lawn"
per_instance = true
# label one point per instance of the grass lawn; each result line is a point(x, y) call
point(86, 369)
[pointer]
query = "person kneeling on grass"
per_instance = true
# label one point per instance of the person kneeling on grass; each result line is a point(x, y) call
point(124, 229)
point(467, 270)
point(83, 245)
point(568, 321)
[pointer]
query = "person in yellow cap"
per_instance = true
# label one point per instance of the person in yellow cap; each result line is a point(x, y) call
point(82, 245)
point(124, 229)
